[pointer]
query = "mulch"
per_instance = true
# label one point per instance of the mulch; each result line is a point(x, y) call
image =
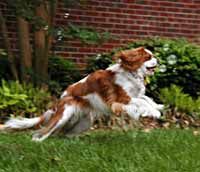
point(169, 120)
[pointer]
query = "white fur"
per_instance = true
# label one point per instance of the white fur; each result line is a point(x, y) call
point(48, 114)
point(97, 103)
point(139, 107)
point(152, 103)
point(151, 63)
point(63, 94)
point(149, 52)
point(24, 123)
point(82, 80)
point(132, 83)
point(21, 123)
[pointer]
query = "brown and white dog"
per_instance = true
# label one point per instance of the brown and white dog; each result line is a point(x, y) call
point(118, 89)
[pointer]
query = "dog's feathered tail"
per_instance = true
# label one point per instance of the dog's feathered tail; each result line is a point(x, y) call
point(22, 123)
point(25, 123)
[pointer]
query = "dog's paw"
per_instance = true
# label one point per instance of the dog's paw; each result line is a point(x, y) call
point(38, 137)
point(160, 107)
point(156, 114)
point(153, 113)
point(117, 108)
point(2, 127)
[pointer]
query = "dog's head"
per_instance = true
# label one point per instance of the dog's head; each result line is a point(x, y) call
point(137, 58)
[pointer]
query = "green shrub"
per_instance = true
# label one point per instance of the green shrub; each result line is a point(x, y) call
point(101, 61)
point(85, 34)
point(22, 99)
point(62, 72)
point(179, 64)
point(4, 65)
point(178, 101)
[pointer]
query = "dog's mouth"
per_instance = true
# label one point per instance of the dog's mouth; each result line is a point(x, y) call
point(151, 69)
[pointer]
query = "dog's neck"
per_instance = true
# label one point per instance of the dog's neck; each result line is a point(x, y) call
point(136, 78)
point(137, 75)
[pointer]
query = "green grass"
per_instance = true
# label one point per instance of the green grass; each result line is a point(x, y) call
point(103, 151)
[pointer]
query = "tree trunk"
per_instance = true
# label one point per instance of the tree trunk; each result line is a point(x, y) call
point(25, 50)
point(11, 58)
point(41, 58)
point(43, 42)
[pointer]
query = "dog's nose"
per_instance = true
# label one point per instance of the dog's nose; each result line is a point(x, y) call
point(154, 61)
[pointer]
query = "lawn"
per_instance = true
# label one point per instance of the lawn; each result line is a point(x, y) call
point(103, 151)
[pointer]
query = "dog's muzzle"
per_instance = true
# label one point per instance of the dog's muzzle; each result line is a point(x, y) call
point(151, 65)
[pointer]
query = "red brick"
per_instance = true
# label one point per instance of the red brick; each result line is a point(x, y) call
point(115, 20)
point(126, 20)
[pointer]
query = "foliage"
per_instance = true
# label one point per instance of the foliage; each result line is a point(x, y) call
point(62, 73)
point(101, 61)
point(21, 99)
point(86, 35)
point(4, 65)
point(179, 101)
point(26, 10)
point(74, 2)
point(108, 151)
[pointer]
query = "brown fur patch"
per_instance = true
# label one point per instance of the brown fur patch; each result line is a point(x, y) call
point(102, 83)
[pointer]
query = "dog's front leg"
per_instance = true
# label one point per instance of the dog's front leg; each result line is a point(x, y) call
point(139, 107)
point(132, 109)
point(152, 103)
point(135, 108)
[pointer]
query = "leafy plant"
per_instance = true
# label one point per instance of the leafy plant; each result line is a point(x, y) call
point(62, 73)
point(22, 99)
point(101, 61)
point(178, 101)
point(4, 65)
point(86, 35)
point(26, 9)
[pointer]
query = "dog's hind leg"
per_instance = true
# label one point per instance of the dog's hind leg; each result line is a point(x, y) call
point(61, 117)
point(84, 123)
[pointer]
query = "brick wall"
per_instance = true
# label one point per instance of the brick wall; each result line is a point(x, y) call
point(127, 20)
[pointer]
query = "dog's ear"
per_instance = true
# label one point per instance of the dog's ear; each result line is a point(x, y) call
point(131, 55)
point(133, 58)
